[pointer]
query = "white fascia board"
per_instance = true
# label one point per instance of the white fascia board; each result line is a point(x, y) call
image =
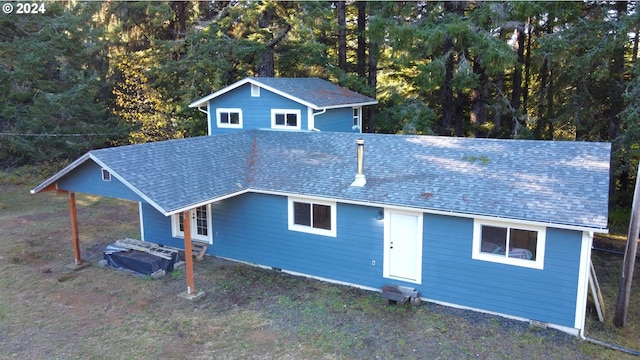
point(348, 105)
point(204, 202)
point(204, 101)
point(61, 173)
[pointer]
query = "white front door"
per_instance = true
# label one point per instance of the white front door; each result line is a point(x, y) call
point(403, 246)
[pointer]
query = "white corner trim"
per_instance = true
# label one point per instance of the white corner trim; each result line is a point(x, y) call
point(582, 292)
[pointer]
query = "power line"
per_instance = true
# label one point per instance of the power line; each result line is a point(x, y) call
point(58, 135)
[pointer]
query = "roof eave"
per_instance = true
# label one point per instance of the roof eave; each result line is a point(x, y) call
point(60, 173)
point(367, 103)
point(256, 81)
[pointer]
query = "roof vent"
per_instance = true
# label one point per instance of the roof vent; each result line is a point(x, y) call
point(360, 179)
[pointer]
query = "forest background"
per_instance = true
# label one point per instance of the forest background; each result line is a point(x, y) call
point(85, 75)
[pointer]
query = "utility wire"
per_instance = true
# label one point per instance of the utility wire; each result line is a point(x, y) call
point(58, 135)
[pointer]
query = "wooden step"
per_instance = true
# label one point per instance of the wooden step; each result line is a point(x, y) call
point(198, 249)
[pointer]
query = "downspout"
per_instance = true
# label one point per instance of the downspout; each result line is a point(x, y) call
point(600, 342)
point(208, 118)
point(312, 122)
point(608, 345)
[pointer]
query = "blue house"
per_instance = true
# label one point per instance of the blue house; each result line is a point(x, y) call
point(283, 104)
point(499, 226)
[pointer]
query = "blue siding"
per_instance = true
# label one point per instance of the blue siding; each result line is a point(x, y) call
point(451, 275)
point(340, 120)
point(87, 178)
point(254, 228)
point(256, 111)
point(157, 227)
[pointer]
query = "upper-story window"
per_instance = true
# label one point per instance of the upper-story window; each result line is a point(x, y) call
point(229, 118)
point(285, 118)
point(357, 118)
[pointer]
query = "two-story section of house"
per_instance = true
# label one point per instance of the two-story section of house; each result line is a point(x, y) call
point(309, 104)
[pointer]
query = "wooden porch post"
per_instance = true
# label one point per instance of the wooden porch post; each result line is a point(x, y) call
point(75, 240)
point(188, 250)
point(191, 293)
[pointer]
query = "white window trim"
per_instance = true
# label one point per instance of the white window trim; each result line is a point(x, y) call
point(255, 90)
point(274, 112)
point(229, 110)
point(538, 263)
point(311, 229)
point(105, 174)
point(359, 125)
point(175, 227)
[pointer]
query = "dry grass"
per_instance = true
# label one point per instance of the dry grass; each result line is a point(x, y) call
point(99, 313)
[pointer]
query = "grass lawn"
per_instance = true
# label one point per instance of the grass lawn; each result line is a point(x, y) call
point(47, 312)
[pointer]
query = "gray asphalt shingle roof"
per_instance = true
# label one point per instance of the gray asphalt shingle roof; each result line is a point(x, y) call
point(541, 181)
point(314, 92)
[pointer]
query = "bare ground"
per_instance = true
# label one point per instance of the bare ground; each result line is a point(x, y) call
point(47, 312)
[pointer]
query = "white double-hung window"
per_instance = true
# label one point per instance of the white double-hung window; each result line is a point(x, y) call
point(229, 118)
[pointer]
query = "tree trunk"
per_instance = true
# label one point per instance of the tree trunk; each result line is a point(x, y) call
point(178, 24)
point(527, 70)
point(516, 94)
point(342, 35)
point(479, 99)
point(362, 39)
point(266, 66)
point(447, 88)
point(374, 48)
point(616, 103)
point(542, 122)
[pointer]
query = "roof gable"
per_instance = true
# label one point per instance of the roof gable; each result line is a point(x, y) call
point(312, 92)
point(540, 181)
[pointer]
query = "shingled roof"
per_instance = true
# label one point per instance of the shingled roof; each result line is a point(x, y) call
point(563, 183)
point(313, 92)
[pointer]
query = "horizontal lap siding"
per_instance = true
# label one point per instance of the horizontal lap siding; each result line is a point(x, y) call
point(256, 111)
point(157, 227)
point(451, 275)
point(340, 120)
point(254, 228)
point(87, 179)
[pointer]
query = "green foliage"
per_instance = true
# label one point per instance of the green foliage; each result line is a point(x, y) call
point(86, 75)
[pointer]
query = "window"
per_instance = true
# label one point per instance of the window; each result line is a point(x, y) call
point(285, 119)
point(255, 90)
point(106, 175)
point(316, 217)
point(200, 222)
point(515, 245)
point(229, 118)
point(357, 118)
